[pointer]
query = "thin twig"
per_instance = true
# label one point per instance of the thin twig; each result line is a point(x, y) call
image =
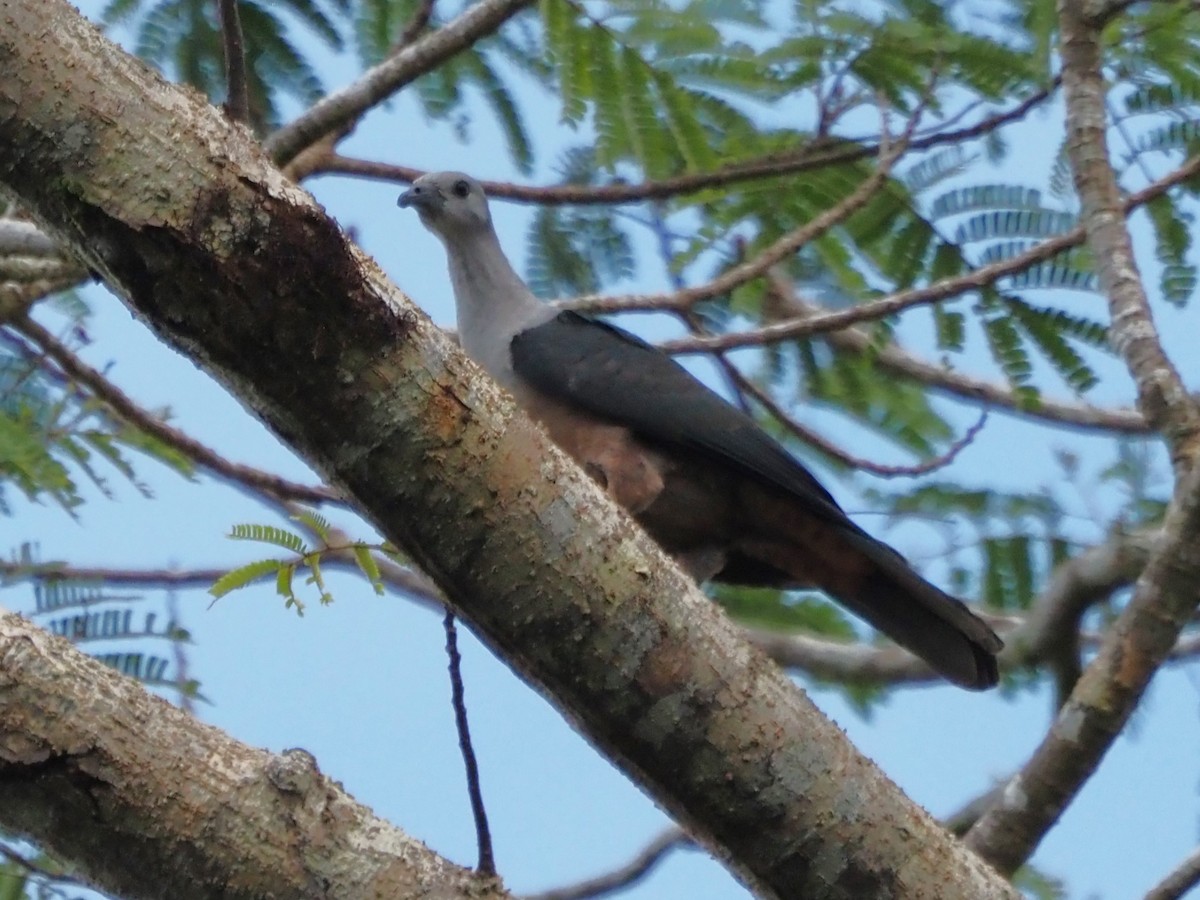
point(893, 359)
point(418, 23)
point(625, 876)
point(827, 446)
point(1178, 882)
point(487, 862)
point(801, 159)
point(885, 306)
point(237, 91)
point(128, 411)
point(384, 80)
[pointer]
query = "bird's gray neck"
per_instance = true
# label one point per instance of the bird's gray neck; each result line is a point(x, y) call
point(493, 303)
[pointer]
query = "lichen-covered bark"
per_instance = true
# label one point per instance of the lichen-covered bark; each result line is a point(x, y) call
point(181, 214)
point(152, 803)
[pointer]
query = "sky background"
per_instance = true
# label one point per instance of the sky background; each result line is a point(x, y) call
point(362, 684)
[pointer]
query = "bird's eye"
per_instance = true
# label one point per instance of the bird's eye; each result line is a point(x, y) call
point(461, 188)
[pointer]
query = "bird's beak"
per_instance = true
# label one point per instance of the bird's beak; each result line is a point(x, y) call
point(422, 199)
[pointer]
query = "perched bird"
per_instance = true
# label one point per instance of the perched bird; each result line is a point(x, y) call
point(708, 484)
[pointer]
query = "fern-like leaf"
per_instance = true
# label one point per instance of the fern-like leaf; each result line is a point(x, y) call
point(242, 576)
point(269, 534)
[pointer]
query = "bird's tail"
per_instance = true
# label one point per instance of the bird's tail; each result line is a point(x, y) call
point(922, 618)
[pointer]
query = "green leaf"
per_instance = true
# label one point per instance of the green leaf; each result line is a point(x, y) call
point(314, 522)
point(366, 562)
point(242, 576)
point(269, 534)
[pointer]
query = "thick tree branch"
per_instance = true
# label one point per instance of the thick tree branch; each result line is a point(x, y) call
point(1142, 637)
point(88, 756)
point(1162, 397)
point(219, 253)
point(378, 83)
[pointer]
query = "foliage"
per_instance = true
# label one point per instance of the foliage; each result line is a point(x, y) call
point(183, 38)
point(301, 558)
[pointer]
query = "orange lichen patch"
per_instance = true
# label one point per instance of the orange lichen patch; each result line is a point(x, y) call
point(447, 415)
point(666, 669)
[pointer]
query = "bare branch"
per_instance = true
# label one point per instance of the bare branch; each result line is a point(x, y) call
point(815, 155)
point(627, 875)
point(1162, 396)
point(893, 359)
point(1142, 637)
point(483, 835)
point(893, 303)
point(418, 23)
point(382, 81)
point(127, 410)
point(1178, 882)
point(237, 92)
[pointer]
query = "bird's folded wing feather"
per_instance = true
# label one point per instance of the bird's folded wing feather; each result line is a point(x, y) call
point(614, 375)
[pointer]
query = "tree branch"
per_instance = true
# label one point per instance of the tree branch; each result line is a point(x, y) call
point(1180, 881)
point(237, 95)
point(87, 756)
point(624, 877)
point(891, 304)
point(1162, 397)
point(382, 81)
point(893, 359)
point(124, 407)
point(1142, 637)
point(817, 154)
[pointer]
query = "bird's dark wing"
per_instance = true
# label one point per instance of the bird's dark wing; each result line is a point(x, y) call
point(604, 371)
point(610, 373)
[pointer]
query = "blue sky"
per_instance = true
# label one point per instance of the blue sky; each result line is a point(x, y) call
point(362, 684)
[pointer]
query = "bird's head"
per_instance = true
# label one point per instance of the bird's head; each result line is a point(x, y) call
point(450, 204)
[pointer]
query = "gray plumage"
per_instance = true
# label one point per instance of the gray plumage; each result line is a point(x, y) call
point(718, 493)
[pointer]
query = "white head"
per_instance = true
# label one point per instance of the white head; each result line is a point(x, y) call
point(451, 205)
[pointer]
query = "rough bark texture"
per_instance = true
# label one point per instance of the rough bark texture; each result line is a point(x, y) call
point(183, 216)
point(1162, 397)
point(152, 803)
